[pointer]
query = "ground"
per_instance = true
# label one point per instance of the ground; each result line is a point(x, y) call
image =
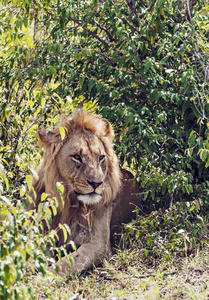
point(128, 276)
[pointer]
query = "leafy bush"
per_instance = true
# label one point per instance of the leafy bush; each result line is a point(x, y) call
point(176, 231)
point(143, 65)
point(23, 246)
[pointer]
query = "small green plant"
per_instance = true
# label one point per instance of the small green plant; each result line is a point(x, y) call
point(24, 247)
point(178, 230)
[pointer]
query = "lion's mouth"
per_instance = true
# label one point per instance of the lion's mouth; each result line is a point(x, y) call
point(89, 198)
point(89, 194)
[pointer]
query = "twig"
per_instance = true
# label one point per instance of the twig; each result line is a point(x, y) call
point(132, 6)
point(154, 275)
point(148, 9)
point(111, 38)
point(93, 50)
point(205, 65)
point(75, 297)
point(34, 30)
point(144, 276)
point(171, 202)
point(31, 125)
point(133, 27)
point(190, 21)
point(101, 40)
point(13, 8)
point(96, 36)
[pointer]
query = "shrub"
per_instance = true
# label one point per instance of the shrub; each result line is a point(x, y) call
point(23, 246)
point(175, 231)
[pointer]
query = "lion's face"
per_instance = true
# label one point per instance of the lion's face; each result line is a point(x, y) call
point(82, 164)
point(84, 161)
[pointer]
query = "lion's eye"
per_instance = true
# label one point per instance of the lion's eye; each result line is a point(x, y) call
point(101, 158)
point(77, 157)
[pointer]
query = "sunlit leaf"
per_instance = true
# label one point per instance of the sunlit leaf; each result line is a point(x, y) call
point(62, 132)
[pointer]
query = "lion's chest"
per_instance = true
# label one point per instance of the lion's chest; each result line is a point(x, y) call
point(81, 237)
point(81, 232)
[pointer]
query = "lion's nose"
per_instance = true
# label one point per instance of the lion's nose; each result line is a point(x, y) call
point(94, 184)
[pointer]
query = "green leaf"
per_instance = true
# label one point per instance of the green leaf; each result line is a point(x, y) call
point(203, 154)
point(2, 172)
point(22, 191)
point(64, 231)
point(53, 207)
point(192, 139)
point(189, 188)
point(73, 245)
point(207, 164)
point(35, 174)
point(59, 187)
point(146, 252)
point(6, 200)
point(81, 80)
point(43, 197)
point(31, 103)
point(29, 181)
point(67, 228)
point(90, 85)
point(62, 132)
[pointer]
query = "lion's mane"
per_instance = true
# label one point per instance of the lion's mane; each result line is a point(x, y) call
point(79, 153)
point(48, 172)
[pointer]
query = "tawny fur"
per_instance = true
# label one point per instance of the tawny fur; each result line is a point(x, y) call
point(89, 224)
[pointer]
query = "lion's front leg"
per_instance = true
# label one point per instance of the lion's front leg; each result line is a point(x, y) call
point(85, 258)
point(91, 253)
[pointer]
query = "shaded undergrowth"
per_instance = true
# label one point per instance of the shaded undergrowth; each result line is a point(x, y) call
point(127, 276)
point(142, 267)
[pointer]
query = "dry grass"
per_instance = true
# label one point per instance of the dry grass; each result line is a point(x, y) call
point(127, 276)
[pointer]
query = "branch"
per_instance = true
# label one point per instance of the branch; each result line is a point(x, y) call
point(100, 39)
point(97, 37)
point(13, 9)
point(110, 36)
point(92, 33)
point(130, 25)
point(132, 6)
point(31, 125)
point(154, 275)
point(106, 57)
point(133, 27)
point(190, 3)
point(190, 21)
point(171, 200)
point(34, 30)
point(148, 9)
point(196, 53)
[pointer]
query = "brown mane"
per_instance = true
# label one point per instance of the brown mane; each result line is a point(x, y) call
point(80, 159)
point(52, 142)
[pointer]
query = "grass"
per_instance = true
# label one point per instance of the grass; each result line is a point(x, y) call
point(128, 276)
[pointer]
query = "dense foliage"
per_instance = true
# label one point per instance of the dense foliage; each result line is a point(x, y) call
point(165, 234)
point(143, 65)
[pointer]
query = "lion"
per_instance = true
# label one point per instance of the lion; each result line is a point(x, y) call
point(97, 195)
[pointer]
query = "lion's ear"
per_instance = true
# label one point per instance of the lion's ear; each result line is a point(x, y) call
point(48, 137)
point(107, 129)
